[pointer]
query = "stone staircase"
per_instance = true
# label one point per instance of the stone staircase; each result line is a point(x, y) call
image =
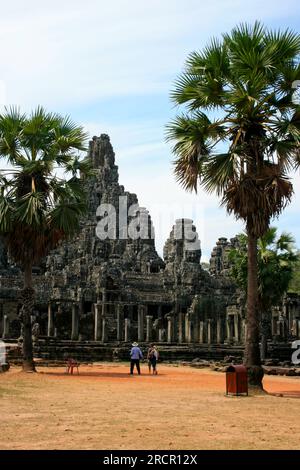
point(90, 351)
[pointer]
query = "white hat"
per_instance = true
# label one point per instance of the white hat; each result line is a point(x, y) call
point(134, 344)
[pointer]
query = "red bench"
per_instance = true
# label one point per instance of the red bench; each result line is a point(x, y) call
point(71, 364)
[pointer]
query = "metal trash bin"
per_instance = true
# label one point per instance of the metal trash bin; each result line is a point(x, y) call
point(236, 380)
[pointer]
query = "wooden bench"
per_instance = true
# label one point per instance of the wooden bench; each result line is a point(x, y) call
point(71, 364)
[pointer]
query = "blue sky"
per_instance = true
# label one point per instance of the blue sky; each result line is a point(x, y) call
point(111, 65)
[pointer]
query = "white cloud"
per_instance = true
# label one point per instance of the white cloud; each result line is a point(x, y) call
point(61, 53)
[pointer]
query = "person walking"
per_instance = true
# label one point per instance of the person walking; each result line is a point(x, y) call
point(149, 356)
point(135, 356)
point(152, 359)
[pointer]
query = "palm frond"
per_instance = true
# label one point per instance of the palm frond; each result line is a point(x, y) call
point(11, 124)
point(29, 209)
point(81, 166)
point(219, 170)
point(193, 138)
point(65, 216)
point(6, 214)
point(68, 136)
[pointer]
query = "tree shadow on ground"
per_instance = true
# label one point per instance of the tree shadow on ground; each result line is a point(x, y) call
point(120, 375)
point(288, 394)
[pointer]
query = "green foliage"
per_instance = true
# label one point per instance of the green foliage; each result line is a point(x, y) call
point(239, 133)
point(38, 208)
point(294, 285)
point(277, 260)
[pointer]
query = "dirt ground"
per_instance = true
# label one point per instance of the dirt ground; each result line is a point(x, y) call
point(181, 408)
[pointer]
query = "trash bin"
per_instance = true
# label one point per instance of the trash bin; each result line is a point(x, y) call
point(4, 367)
point(236, 380)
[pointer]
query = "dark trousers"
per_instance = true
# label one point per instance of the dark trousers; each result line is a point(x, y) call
point(135, 362)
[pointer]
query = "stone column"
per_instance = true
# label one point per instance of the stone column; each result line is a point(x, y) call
point(273, 326)
point(120, 314)
point(101, 320)
point(291, 317)
point(141, 323)
point(104, 306)
point(50, 320)
point(188, 329)
point(244, 330)
point(286, 310)
point(127, 330)
point(177, 320)
point(98, 322)
point(180, 328)
point(104, 330)
point(75, 322)
point(149, 326)
point(228, 327)
point(209, 335)
point(5, 333)
point(201, 332)
point(236, 328)
point(294, 328)
point(219, 331)
point(159, 311)
point(280, 328)
point(170, 329)
point(160, 335)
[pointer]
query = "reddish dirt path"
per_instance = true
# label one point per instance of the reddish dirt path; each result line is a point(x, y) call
point(181, 408)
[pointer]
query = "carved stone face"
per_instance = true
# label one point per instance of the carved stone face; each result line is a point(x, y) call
point(100, 251)
point(58, 262)
point(193, 256)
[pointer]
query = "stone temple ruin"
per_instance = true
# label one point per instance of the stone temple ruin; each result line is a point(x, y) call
point(94, 296)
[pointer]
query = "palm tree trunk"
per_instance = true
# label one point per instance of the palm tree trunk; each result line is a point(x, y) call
point(26, 312)
point(252, 351)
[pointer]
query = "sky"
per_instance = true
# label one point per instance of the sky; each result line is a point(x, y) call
point(111, 65)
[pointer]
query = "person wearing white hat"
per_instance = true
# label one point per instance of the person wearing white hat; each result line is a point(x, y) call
point(135, 356)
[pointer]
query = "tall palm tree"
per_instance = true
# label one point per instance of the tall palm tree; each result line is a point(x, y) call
point(38, 207)
point(239, 137)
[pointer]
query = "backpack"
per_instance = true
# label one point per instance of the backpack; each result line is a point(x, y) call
point(151, 354)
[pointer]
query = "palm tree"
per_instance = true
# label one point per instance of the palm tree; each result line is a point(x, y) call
point(277, 259)
point(294, 286)
point(38, 207)
point(239, 137)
